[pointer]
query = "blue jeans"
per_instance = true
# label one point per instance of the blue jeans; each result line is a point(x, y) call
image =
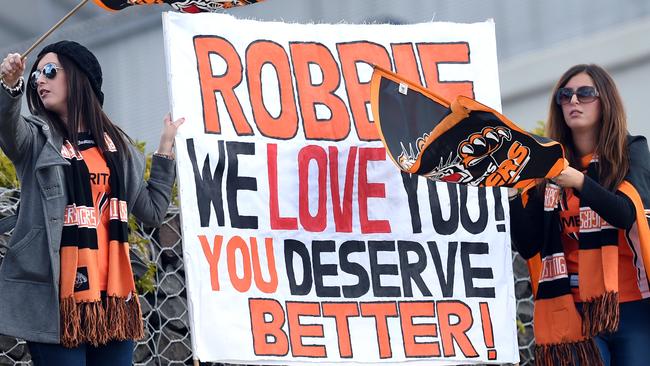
point(114, 353)
point(630, 344)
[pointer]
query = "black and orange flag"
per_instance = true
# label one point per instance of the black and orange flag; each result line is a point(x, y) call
point(185, 6)
point(459, 142)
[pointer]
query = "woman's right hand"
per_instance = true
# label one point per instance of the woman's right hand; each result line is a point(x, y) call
point(12, 68)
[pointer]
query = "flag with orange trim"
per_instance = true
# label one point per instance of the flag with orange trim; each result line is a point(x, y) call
point(184, 6)
point(459, 142)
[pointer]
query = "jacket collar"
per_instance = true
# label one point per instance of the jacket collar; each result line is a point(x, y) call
point(51, 153)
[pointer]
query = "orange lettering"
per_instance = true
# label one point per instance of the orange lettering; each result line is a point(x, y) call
point(205, 46)
point(235, 244)
point(298, 330)
point(381, 311)
point(271, 285)
point(433, 54)
point(212, 256)
point(405, 62)
point(408, 311)
point(312, 94)
point(341, 312)
point(259, 309)
point(258, 54)
point(457, 332)
point(351, 54)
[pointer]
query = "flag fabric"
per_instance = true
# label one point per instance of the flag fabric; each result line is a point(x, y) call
point(185, 6)
point(459, 142)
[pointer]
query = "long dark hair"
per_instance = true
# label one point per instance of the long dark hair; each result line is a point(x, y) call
point(83, 105)
point(611, 146)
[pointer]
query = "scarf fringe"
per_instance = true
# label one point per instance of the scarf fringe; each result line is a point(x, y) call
point(568, 354)
point(601, 314)
point(90, 322)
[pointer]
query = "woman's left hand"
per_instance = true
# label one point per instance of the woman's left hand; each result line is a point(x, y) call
point(570, 178)
point(168, 134)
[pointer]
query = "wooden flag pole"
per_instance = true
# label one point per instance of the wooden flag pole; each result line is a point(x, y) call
point(54, 27)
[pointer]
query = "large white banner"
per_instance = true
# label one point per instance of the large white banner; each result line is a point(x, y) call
point(303, 243)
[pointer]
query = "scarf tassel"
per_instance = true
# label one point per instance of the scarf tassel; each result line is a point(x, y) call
point(90, 322)
point(601, 314)
point(568, 354)
point(70, 323)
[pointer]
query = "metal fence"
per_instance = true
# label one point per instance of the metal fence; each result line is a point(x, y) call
point(167, 336)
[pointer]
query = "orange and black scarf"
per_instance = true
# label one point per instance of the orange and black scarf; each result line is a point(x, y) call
point(563, 334)
point(87, 314)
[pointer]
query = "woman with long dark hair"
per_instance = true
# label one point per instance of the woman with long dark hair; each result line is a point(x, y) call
point(66, 283)
point(585, 232)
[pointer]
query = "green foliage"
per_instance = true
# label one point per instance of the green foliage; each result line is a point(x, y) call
point(521, 328)
point(146, 283)
point(539, 129)
point(8, 178)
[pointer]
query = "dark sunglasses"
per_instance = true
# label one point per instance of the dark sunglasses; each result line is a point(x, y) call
point(49, 70)
point(585, 94)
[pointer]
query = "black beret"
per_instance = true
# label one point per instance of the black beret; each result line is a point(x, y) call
point(84, 59)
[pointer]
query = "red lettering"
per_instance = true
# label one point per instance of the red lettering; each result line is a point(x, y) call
point(342, 210)
point(318, 222)
point(370, 190)
point(277, 222)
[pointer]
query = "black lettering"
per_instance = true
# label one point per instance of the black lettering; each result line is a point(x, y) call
point(292, 247)
point(236, 183)
point(446, 282)
point(208, 186)
point(376, 269)
point(469, 272)
point(412, 271)
point(440, 225)
point(478, 226)
point(362, 287)
point(410, 182)
point(321, 270)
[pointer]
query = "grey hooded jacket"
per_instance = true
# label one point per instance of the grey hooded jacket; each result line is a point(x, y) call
point(29, 273)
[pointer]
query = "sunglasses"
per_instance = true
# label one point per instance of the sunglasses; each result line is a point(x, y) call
point(585, 94)
point(49, 70)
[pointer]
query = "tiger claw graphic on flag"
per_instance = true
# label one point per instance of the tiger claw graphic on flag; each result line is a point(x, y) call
point(459, 142)
point(185, 6)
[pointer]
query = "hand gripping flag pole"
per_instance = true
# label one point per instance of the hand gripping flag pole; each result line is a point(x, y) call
point(49, 31)
point(461, 142)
